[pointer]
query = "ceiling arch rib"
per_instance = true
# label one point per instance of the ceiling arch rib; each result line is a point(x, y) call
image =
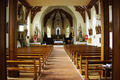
point(89, 13)
point(54, 19)
point(97, 8)
point(81, 10)
point(27, 12)
point(62, 20)
point(47, 16)
point(68, 16)
point(34, 11)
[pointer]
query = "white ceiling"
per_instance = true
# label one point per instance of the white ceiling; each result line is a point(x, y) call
point(58, 2)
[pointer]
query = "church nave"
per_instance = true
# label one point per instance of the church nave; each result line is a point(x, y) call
point(59, 39)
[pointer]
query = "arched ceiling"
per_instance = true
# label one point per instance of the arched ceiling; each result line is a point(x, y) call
point(58, 3)
point(80, 5)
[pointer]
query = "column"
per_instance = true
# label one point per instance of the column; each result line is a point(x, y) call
point(13, 34)
point(116, 39)
point(3, 72)
point(104, 29)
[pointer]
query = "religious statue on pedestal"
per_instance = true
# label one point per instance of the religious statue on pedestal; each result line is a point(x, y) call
point(72, 36)
point(35, 37)
point(80, 34)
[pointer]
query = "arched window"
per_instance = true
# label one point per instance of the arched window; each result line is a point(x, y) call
point(58, 31)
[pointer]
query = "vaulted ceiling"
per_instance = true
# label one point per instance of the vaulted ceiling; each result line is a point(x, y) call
point(61, 14)
point(58, 2)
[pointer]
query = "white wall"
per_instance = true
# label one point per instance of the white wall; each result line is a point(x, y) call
point(95, 22)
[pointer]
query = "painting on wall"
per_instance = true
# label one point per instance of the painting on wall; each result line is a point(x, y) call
point(89, 40)
point(20, 12)
point(90, 32)
point(98, 30)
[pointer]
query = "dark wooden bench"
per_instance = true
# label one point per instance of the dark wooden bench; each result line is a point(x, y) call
point(95, 66)
point(26, 56)
point(79, 53)
point(33, 68)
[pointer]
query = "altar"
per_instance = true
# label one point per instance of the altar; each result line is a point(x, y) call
point(58, 41)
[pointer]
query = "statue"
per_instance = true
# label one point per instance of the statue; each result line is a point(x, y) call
point(80, 33)
point(35, 37)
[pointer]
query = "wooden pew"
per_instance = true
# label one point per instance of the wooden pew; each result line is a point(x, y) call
point(19, 62)
point(43, 51)
point(79, 53)
point(40, 54)
point(82, 58)
point(96, 67)
point(39, 63)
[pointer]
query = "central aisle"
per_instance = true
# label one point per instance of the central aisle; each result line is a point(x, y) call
point(59, 67)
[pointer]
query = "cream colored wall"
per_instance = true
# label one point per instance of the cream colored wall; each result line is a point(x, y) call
point(29, 25)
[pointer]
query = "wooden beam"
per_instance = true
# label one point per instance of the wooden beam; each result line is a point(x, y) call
point(25, 3)
point(53, 19)
point(3, 71)
point(13, 33)
point(81, 10)
point(104, 30)
point(97, 8)
point(116, 39)
point(27, 13)
point(91, 4)
point(89, 13)
point(12, 28)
